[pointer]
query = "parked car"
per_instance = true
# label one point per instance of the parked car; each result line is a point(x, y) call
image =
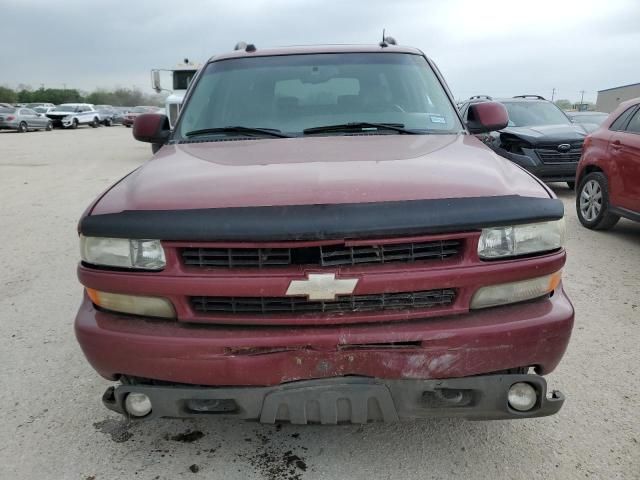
point(608, 174)
point(132, 114)
point(39, 104)
point(589, 120)
point(322, 239)
point(71, 115)
point(23, 120)
point(540, 137)
point(43, 110)
point(109, 116)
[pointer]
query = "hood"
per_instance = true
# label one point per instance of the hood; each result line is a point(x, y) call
point(59, 113)
point(548, 134)
point(318, 170)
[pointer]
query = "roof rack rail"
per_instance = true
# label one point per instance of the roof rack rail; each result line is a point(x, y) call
point(476, 97)
point(539, 97)
point(247, 47)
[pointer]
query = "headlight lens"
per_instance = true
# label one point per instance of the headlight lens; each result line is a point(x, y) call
point(122, 252)
point(513, 292)
point(133, 304)
point(516, 240)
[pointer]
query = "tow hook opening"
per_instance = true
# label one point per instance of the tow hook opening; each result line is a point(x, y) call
point(211, 406)
point(447, 397)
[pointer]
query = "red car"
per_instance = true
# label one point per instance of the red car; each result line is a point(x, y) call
point(322, 239)
point(131, 115)
point(608, 174)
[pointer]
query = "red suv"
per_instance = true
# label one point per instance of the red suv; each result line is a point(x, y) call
point(609, 170)
point(322, 239)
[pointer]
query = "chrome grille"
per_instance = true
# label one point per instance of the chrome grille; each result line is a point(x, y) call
point(552, 155)
point(342, 304)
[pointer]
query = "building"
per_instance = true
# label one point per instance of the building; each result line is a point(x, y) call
point(609, 99)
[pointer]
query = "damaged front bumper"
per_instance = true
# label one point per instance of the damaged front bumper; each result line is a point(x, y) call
point(345, 400)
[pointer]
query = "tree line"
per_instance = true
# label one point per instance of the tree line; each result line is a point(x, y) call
point(126, 97)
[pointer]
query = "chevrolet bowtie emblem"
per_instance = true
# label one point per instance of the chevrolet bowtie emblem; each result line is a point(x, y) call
point(322, 286)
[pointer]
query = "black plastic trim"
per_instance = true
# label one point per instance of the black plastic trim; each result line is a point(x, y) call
point(319, 222)
point(625, 213)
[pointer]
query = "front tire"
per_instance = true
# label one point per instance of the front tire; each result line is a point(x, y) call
point(155, 147)
point(49, 127)
point(74, 124)
point(22, 127)
point(592, 202)
point(95, 123)
point(107, 122)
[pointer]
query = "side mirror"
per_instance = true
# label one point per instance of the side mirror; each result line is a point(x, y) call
point(151, 128)
point(487, 117)
point(155, 80)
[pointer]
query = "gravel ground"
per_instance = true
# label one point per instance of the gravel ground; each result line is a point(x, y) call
point(53, 425)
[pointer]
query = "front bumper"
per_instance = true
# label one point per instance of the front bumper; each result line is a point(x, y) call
point(496, 339)
point(345, 399)
point(63, 122)
point(548, 172)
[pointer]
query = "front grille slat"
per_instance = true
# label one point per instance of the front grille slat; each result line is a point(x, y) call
point(342, 304)
point(324, 255)
point(552, 155)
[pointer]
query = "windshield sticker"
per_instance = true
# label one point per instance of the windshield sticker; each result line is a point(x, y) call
point(437, 119)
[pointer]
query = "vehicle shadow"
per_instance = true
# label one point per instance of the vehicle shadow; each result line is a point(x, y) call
point(245, 450)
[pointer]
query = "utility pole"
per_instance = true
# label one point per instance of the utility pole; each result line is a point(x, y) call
point(581, 97)
point(553, 93)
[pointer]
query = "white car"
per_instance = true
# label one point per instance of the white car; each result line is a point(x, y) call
point(71, 115)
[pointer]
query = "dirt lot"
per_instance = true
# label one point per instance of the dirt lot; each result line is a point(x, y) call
point(53, 426)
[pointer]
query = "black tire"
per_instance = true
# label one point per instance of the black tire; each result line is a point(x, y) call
point(74, 124)
point(592, 202)
point(107, 122)
point(128, 126)
point(95, 123)
point(49, 127)
point(23, 127)
point(571, 185)
point(155, 147)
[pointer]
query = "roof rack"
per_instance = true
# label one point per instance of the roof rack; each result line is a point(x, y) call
point(539, 97)
point(247, 47)
point(477, 97)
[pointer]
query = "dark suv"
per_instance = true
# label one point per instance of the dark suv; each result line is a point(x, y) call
point(539, 137)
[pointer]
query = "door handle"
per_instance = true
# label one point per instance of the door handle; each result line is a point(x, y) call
point(616, 145)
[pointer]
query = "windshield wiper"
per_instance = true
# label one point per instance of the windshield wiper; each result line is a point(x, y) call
point(359, 126)
point(271, 132)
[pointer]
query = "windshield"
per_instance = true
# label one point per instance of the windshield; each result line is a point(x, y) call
point(530, 114)
point(7, 110)
point(65, 108)
point(592, 119)
point(291, 93)
point(182, 78)
point(139, 110)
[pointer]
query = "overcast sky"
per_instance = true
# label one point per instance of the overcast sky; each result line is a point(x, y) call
point(497, 48)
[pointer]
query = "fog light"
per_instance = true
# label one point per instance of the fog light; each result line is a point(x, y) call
point(137, 404)
point(522, 396)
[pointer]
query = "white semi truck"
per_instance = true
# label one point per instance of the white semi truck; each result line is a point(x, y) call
point(181, 76)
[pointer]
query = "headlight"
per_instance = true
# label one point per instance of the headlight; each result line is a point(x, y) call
point(516, 240)
point(122, 252)
point(513, 292)
point(133, 304)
